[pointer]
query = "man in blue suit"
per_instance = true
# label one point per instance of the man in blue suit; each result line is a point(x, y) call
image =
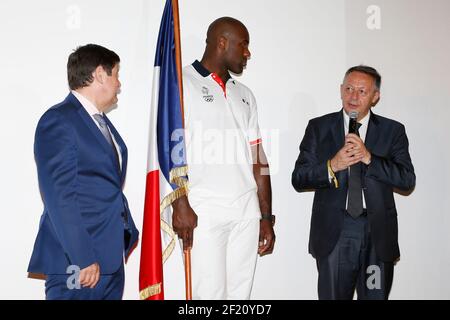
point(86, 229)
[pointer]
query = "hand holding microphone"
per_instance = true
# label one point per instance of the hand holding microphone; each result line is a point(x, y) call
point(353, 150)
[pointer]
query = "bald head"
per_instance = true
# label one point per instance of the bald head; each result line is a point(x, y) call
point(223, 27)
point(226, 47)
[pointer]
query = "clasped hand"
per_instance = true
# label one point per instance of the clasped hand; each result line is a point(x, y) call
point(351, 153)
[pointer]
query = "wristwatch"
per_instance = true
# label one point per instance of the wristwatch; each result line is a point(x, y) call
point(268, 216)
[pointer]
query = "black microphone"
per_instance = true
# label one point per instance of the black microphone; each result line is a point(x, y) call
point(352, 124)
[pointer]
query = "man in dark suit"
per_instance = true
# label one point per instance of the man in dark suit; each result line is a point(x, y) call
point(86, 228)
point(354, 220)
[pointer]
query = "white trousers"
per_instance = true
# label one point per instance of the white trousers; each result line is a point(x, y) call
point(223, 258)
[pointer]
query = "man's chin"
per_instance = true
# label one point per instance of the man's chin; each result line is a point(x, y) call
point(112, 104)
point(238, 70)
point(349, 109)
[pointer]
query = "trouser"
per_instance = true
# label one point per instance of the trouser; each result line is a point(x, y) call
point(354, 263)
point(109, 287)
point(223, 258)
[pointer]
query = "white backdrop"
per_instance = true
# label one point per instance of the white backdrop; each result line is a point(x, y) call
point(300, 51)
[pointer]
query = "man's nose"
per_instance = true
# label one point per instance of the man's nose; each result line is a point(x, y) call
point(247, 54)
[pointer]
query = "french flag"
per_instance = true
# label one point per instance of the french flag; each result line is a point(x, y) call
point(166, 169)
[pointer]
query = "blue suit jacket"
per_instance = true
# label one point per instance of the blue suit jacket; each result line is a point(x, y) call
point(86, 217)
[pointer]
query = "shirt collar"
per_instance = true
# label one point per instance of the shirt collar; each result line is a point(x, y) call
point(89, 106)
point(203, 71)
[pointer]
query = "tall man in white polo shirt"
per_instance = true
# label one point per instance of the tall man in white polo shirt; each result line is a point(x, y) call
point(229, 181)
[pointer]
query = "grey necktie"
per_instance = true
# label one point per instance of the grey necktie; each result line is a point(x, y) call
point(105, 131)
point(103, 128)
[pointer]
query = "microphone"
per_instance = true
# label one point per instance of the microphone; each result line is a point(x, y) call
point(352, 124)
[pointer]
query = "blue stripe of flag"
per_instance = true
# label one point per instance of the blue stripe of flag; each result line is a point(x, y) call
point(169, 109)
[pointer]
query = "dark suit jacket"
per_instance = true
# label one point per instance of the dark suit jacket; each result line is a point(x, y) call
point(390, 168)
point(86, 217)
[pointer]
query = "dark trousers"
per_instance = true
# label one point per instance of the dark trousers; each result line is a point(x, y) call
point(109, 287)
point(352, 264)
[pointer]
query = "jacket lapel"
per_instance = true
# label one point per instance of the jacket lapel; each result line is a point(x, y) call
point(371, 135)
point(339, 139)
point(338, 130)
point(123, 148)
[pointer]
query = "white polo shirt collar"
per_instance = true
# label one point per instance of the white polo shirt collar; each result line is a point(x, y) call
point(206, 73)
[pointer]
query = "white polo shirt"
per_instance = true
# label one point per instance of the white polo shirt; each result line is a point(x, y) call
point(221, 124)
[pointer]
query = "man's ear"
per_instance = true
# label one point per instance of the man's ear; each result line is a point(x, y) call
point(99, 74)
point(376, 98)
point(222, 43)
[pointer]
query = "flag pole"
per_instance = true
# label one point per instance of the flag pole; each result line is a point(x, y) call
point(187, 273)
point(176, 22)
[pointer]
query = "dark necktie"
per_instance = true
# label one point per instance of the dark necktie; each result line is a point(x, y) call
point(355, 201)
point(105, 131)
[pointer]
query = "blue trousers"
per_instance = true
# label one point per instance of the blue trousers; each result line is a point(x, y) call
point(353, 263)
point(109, 287)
